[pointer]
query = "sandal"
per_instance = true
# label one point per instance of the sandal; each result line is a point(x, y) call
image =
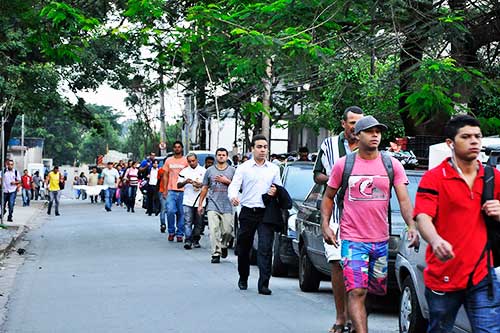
point(336, 328)
point(348, 328)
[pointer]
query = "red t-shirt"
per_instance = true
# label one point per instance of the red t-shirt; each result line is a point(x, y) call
point(26, 180)
point(456, 213)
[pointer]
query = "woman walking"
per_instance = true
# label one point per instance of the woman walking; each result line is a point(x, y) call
point(131, 177)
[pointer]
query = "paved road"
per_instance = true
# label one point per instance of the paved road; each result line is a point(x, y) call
point(92, 271)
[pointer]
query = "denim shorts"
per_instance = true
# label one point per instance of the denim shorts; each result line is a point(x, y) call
point(365, 266)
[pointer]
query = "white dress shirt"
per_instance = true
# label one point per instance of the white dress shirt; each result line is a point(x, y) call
point(254, 180)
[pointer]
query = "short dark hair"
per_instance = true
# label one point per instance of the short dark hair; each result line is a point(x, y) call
point(454, 124)
point(303, 150)
point(209, 158)
point(221, 149)
point(353, 109)
point(257, 138)
point(178, 143)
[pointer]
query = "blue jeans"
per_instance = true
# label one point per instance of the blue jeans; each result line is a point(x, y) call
point(175, 210)
point(109, 194)
point(132, 192)
point(483, 313)
point(9, 199)
point(192, 224)
point(163, 208)
point(26, 196)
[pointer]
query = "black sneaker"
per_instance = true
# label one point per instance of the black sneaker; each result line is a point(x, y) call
point(188, 246)
point(224, 252)
point(242, 284)
point(163, 227)
point(215, 260)
point(196, 245)
point(265, 291)
point(9, 219)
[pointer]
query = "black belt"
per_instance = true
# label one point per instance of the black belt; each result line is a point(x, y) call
point(254, 209)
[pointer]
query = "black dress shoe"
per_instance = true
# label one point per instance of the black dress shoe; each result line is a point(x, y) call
point(265, 291)
point(215, 260)
point(243, 285)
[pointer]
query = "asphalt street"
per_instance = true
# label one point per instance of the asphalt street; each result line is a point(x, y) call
point(92, 271)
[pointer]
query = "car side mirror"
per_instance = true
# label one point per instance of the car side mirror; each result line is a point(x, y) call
point(318, 204)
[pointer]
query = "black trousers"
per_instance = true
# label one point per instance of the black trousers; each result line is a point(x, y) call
point(250, 221)
point(152, 203)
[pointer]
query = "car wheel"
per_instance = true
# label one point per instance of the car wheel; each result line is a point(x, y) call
point(279, 268)
point(410, 315)
point(309, 277)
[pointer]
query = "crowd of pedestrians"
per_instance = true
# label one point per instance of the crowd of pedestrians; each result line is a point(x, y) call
point(448, 213)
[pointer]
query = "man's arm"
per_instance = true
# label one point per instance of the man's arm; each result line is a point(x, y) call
point(442, 249)
point(327, 206)
point(319, 174)
point(407, 212)
point(203, 194)
point(165, 183)
point(234, 187)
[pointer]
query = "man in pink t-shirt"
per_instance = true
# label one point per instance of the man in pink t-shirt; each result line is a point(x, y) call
point(364, 229)
point(173, 194)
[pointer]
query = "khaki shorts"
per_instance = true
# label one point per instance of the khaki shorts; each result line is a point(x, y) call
point(332, 253)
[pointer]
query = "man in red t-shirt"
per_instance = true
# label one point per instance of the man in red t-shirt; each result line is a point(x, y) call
point(449, 216)
point(26, 185)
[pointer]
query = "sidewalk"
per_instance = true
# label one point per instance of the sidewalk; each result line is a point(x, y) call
point(15, 230)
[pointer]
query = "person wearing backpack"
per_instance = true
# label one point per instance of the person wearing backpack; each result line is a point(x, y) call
point(11, 181)
point(330, 151)
point(451, 217)
point(364, 180)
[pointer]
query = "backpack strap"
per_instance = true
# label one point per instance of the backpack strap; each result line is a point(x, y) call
point(348, 166)
point(389, 168)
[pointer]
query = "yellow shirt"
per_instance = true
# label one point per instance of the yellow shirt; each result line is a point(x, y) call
point(54, 181)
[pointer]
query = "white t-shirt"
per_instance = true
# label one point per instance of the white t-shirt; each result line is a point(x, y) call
point(110, 176)
point(153, 176)
point(190, 192)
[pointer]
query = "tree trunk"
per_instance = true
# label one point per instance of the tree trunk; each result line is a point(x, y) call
point(266, 100)
point(410, 57)
point(201, 99)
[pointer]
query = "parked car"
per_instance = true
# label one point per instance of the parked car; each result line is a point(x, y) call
point(308, 244)
point(297, 179)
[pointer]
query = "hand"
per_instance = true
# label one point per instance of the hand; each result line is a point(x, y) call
point(492, 209)
point(442, 249)
point(189, 181)
point(164, 195)
point(235, 201)
point(200, 211)
point(328, 235)
point(222, 179)
point(413, 237)
point(197, 184)
point(272, 191)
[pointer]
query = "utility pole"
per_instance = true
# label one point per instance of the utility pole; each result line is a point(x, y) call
point(163, 134)
point(23, 155)
point(3, 161)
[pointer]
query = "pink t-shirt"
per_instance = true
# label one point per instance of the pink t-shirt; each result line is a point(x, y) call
point(366, 200)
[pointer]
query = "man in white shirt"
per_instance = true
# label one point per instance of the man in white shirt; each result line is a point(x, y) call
point(190, 178)
point(11, 180)
point(110, 178)
point(255, 177)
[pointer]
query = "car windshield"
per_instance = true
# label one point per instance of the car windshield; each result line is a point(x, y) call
point(298, 180)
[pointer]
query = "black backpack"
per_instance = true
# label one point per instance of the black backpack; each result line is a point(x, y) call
point(492, 227)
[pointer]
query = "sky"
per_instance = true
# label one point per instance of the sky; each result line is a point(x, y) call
point(105, 95)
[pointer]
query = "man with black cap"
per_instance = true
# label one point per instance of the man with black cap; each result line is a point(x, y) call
point(331, 150)
point(364, 229)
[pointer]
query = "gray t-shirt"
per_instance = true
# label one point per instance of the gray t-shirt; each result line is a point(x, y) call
point(217, 198)
point(110, 177)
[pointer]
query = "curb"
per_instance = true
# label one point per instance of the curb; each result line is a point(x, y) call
point(21, 231)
